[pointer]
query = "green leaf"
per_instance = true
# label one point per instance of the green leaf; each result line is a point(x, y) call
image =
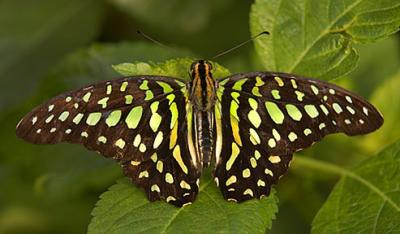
point(174, 68)
point(366, 199)
point(35, 35)
point(386, 99)
point(316, 37)
point(125, 209)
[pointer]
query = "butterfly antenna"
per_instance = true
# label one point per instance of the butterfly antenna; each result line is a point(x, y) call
point(151, 39)
point(241, 44)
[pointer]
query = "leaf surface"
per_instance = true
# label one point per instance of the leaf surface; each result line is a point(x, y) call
point(315, 37)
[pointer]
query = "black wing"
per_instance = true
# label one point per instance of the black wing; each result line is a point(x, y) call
point(139, 121)
point(263, 118)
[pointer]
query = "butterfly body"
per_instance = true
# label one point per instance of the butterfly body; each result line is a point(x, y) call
point(164, 131)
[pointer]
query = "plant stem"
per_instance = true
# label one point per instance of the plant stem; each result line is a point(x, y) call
point(314, 164)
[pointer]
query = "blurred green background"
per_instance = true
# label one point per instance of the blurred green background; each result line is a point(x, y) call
point(50, 46)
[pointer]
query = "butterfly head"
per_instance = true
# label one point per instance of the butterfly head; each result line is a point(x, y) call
point(202, 85)
point(200, 67)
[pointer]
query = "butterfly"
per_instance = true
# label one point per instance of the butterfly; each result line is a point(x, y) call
point(163, 130)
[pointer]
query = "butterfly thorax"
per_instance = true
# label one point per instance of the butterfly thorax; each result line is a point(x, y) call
point(202, 97)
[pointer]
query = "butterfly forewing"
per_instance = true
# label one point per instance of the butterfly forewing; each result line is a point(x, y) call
point(130, 120)
point(265, 117)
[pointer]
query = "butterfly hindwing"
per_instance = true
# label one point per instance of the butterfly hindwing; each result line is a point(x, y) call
point(266, 117)
point(129, 119)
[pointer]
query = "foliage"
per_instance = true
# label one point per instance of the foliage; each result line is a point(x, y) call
point(366, 199)
point(48, 47)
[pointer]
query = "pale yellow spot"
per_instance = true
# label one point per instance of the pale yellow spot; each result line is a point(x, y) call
point(155, 188)
point(185, 185)
point(351, 110)
point(331, 91)
point(324, 109)
point(68, 99)
point(231, 180)
point(93, 118)
point(268, 172)
point(120, 143)
point(274, 112)
point(365, 110)
point(337, 108)
point(292, 136)
point(177, 155)
point(321, 126)
point(260, 183)
point(63, 116)
point(238, 84)
point(254, 118)
point(293, 112)
point(48, 120)
point(134, 116)
point(103, 102)
point(102, 139)
point(34, 120)
point(259, 81)
point(68, 131)
point(300, 95)
point(314, 89)
point(135, 163)
point(166, 87)
point(168, 178)
point(294, 84)
point(274, 159)
point(53, 130)
point(248, 192)
point(142, 148)
point(144, 85)
point(257, 154)
point(128, 99)
point(275, 94)
point(235, 130)
point(279, 81)
point(109, 89)
point(254, 137)
point(271, 143)
point(256, 92)
point(253, 162)
point(232, 158)
point(174, 115)
point(160, 166)
point(149, 95)
point(84, 134)
point(170, 198)
point(307, 131)
point(154, 157)
point(86, 97)
point(137, 140)
point(311, 110)
point(123, 86)
point(347, 121)
point(144, 174)
point(158, 140)
point(349, 99)
point(276, 135)
point(50, 108)
point(113, 118)
point(173, 136)
point(155, 121)
point(246, 173)
point(76, 105)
